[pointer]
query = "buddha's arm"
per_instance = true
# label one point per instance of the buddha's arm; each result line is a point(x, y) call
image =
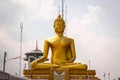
point(45, 52)
point(43, 58)
point(73, 53)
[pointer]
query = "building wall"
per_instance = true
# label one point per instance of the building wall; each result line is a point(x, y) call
point(7, 76)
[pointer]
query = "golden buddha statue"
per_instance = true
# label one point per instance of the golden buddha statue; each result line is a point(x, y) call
point(63, 50)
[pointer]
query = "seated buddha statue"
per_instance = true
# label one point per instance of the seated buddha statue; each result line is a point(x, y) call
point(63, 50)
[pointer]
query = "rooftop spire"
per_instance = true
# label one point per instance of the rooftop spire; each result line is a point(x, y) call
point(36, 45)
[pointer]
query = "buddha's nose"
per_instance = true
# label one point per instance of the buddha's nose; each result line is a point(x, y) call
point(59, 27)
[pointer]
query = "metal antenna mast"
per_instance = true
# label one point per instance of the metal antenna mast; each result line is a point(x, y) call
point(21, 30)
point(63, 9)
point(66, 19)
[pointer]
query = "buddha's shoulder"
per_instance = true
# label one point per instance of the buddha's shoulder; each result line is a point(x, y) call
point(50, 39)
point(68, 38)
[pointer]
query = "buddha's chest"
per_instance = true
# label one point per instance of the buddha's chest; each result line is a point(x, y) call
point(60, 43)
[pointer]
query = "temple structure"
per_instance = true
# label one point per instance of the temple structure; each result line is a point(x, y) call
point(33, 55)
point(62, 65)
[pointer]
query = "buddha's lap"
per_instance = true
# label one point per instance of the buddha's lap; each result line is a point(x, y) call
point(66, 65)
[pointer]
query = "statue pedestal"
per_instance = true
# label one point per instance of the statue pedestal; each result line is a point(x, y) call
point(60, 74)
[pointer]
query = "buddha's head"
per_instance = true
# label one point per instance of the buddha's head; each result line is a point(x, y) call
point(59, 24)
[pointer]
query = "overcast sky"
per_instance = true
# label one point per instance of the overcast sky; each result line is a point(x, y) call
point(93, 24)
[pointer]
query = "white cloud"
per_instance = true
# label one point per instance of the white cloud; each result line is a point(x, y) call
point(38, 9)
point(96, 10)
point(93, 15)
point(8, 43)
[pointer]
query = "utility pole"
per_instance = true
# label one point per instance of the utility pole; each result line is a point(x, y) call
point(4, 62)
point(21, 30)
point(89, 65)
point(104, 75)
point(109, 76)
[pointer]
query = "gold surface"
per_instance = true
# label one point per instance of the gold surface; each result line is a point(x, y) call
point(69, 73)
point(48, 72)
point(63, 50)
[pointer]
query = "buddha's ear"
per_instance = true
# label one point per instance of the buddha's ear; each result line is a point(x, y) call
point(64, 26)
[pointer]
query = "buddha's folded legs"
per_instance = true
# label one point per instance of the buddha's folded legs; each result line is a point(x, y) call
point(62, 66)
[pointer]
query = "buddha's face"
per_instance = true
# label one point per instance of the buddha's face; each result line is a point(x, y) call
point(59, 27)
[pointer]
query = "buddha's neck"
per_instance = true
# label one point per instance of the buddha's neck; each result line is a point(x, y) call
point(59, 34)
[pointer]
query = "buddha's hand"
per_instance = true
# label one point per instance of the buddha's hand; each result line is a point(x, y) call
point(33, 64)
